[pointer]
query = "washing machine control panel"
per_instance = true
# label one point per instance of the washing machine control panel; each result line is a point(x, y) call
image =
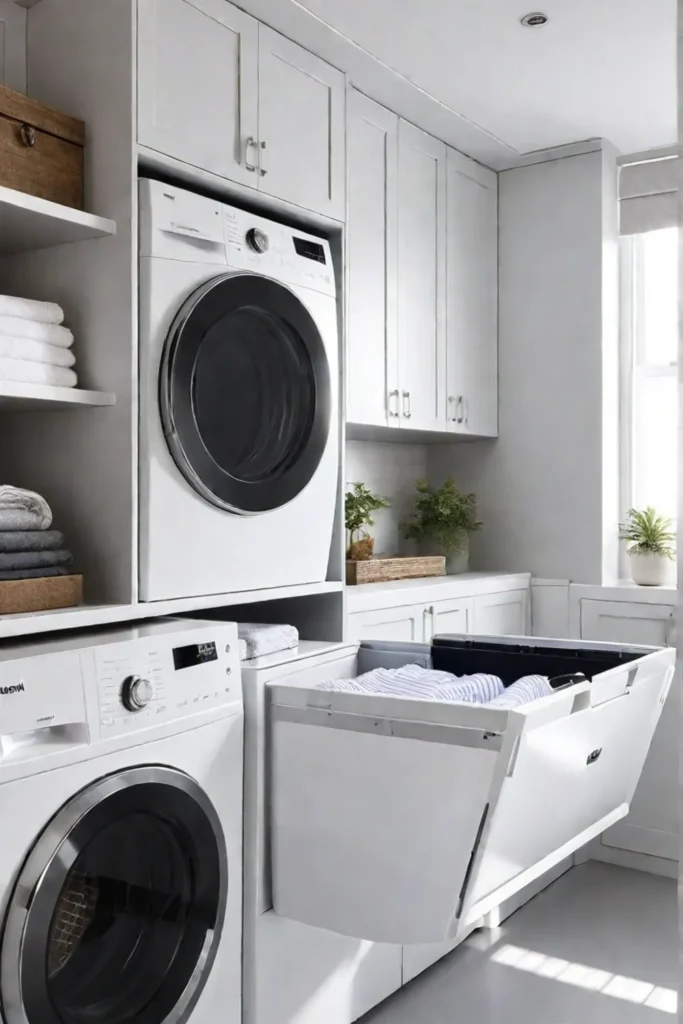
point(160, 678)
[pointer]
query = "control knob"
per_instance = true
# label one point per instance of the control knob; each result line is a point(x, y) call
point(257, 240)
point(136, 693)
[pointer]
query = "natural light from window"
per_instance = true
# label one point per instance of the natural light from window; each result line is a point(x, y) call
point(651, 268)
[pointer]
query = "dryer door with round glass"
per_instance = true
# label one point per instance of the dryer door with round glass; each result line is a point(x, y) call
point(117, 911)
point(245, 393)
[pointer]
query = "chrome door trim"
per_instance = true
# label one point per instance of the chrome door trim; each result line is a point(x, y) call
point(53, 845)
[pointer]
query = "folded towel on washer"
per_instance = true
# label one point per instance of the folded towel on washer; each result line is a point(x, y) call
point(53, 334)
point(30, 309)
point(420, 683)
point(30, 540)
point(263, 638)
point(35, 351)
point(37, 373)
point(32, 574)
point(23, 510)
point(35, 559)
point(525, 690)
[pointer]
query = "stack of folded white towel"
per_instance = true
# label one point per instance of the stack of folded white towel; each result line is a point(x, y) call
point(257, 639)
point(417, 683)
point(34, 346)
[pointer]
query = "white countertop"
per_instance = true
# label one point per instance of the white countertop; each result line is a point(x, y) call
point(367, 596)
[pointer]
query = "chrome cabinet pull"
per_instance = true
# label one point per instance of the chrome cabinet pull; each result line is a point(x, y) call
point(406, 405)
point(393, 412)
point(251, 141)
point(670, 631)
point(262, 159)
point(452, 405)
point(467, 410)
point(459, 410)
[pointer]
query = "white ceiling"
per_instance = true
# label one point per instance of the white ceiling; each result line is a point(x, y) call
point(599, 68)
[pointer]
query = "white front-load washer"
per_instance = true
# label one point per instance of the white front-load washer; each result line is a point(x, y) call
point(121, 809)
point(239, 381)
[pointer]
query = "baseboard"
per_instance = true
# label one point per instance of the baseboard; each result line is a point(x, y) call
point(648, 841)
point(629, 859)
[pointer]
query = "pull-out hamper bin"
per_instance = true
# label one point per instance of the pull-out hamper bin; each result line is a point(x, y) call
point(402, 820)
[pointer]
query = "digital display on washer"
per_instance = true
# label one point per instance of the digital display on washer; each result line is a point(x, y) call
point(194, 654)
point(309, 250)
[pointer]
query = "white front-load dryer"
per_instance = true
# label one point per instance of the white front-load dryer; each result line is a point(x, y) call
point(239, 380)
point(121, 809)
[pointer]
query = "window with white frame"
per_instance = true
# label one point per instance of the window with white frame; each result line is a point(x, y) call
point(649, 313)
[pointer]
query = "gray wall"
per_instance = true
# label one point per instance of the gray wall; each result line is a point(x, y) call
point(548, 488)
point(390, 470)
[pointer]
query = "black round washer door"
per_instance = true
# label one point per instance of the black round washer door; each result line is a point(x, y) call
point(129, 884)
point(244, 393)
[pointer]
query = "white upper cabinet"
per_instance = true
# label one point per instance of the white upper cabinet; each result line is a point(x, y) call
point(301, 126)
point(198, 84)
point(225, 94)
point(421, 279)
point(371, 252)
point(472, 297)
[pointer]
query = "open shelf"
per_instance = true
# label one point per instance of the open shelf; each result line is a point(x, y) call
point(27, 223)
point(87, 616)
point(19, 397)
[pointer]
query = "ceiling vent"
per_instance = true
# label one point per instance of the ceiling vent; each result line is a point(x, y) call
point(534, 20)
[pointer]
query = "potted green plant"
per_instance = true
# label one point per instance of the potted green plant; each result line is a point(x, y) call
point(650, 539)
point(359, 505)
point(443, 520)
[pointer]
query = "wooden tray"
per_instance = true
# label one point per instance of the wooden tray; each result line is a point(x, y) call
point(40, 595)
point(382, 570)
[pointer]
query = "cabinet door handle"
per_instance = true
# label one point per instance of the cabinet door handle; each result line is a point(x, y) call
point(406, 405)
point(393, 411)
point(251, 141)
point(452, 406)
point(263, 170)
point(467, 410)
point(459, 410)
point(670, 631)
point(427, 610)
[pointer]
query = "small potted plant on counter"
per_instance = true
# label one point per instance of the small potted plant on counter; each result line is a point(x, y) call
point(359, 505)
point(443, 520)
point(650, 539)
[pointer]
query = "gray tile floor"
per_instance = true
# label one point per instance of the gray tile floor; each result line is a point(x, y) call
point(600, 946)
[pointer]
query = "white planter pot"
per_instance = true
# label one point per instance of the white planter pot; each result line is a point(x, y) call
point(459, 562)
point(649, 570)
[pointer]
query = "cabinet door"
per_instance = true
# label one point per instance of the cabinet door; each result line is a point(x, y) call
point(421, 278)
point(503, 614)
point(472, 297)
point(198, 84)
point(452, 616)
point(652, 824)
point(301, 126)
point(404, 623)
point(627, 622)
point(371, 250)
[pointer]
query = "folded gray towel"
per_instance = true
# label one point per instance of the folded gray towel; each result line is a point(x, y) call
point(34, 559)
point(23, 510)
point(32, 574)
point(30, 540)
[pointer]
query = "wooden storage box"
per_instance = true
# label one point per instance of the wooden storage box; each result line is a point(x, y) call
point(382, 570)
point(41, 150)
point(40, 595)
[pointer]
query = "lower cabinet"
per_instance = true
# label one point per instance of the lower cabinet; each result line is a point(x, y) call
point(505, 614)
point(500, 613)
point(652, 826)
point(403, 623)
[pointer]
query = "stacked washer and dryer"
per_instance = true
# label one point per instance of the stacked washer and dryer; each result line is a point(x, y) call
point(121, 810)
point(239, 383)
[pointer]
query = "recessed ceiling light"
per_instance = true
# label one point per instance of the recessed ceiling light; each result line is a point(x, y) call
point(534, 20)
